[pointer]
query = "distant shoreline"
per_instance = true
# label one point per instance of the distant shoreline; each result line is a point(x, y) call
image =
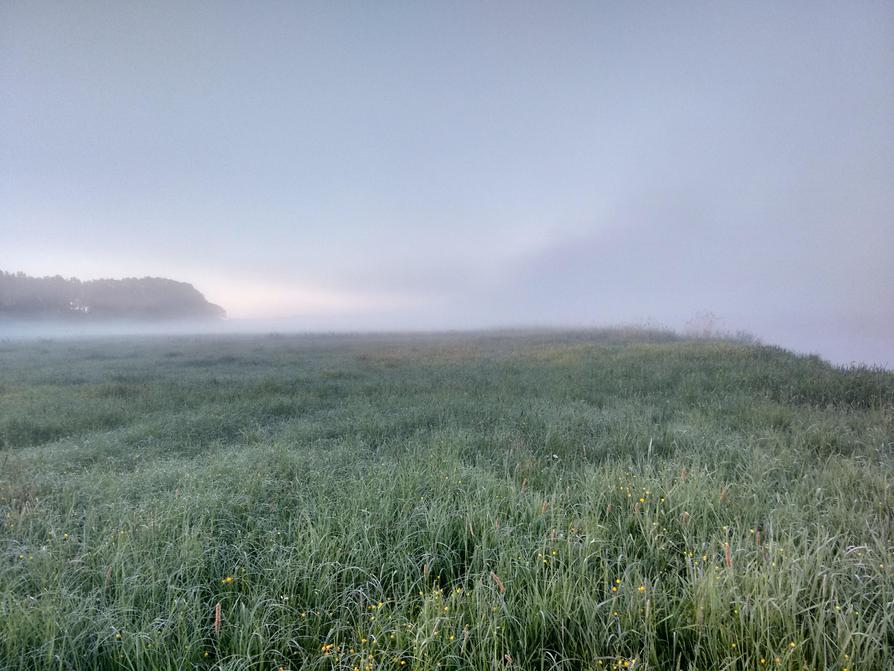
point(843, 353)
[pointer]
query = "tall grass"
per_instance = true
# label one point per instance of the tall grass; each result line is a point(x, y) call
point(520, 501)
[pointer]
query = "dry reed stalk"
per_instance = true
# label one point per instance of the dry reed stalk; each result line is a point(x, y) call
point(498, 582)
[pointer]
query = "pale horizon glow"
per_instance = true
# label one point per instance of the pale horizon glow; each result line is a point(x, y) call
point(265, 301)
point(389, 166)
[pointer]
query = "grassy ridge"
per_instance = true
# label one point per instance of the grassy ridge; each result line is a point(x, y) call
point(558, 500)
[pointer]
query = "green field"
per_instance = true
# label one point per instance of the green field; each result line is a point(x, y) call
point(591, 500)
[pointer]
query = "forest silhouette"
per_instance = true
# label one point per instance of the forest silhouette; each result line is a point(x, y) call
point(26, 297)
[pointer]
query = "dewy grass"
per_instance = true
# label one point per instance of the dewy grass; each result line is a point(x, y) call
point(590, 500)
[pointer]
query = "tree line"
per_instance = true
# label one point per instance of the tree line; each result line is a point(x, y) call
point(23, 296)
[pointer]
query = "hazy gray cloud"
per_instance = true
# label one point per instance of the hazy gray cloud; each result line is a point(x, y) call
point(460, 165)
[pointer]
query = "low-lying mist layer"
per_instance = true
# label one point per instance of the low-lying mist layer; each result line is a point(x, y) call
point(545, 501)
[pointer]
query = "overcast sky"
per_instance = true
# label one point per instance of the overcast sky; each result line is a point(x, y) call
point(464, 164)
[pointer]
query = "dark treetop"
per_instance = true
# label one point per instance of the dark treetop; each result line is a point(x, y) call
point(24, 297)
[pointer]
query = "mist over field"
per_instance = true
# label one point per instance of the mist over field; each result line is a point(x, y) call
point(842, 350)
point(446, 336)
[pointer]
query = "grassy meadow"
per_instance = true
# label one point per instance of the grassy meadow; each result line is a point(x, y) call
point(590, 500)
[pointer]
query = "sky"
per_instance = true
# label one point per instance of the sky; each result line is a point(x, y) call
point(422, 165)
